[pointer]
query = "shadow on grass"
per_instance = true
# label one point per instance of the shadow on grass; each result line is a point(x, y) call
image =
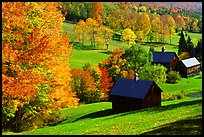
point(188, 126)
point(199, 77)
point(106, 52)
point(108, 112)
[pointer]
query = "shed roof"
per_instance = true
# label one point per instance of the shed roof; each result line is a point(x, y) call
point(131, 88)
point(190, 62)
point(163, 57)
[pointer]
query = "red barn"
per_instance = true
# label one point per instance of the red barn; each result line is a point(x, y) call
point(132, 94)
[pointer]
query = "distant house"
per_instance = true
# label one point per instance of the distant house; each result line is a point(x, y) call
point(189, 67)
point(133, 94)
point(167, 59)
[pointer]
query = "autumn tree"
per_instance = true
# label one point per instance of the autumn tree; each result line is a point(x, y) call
point(179, 21)
point(84, 85)
point(128, 36)
point(92, 28)
point(194, 25)
point(116, 65)
point(172, 26)
point(35, 68)
point(165, 27)
point(80, 32)
point(104, 36)
point(143, 24)
point(106, 83)
point(156, 28)
point(115, 20)
point(96, 12)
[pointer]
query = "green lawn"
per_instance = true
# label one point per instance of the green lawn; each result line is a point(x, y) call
point(188, 85)
point(69, 28)
point(179, 117)
point(81, 57)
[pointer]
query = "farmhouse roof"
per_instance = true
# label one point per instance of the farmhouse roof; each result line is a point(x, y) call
point(163, 57)
point(190, 62)
point(131, 88)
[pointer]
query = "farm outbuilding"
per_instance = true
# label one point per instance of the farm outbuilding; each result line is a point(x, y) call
point(133, 94)
point(189, 67)
point(167, 59)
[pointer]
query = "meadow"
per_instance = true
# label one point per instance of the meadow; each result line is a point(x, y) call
point(178, 117)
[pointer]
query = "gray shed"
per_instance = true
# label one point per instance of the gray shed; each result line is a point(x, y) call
point(189, 67)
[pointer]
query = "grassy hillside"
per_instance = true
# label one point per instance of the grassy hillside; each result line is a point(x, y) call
point(180, 117)
point(81, 57)
point(188, 85)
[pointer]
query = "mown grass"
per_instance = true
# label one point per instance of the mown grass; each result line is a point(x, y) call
point(81, 57)
point(179, 117)
point(188, 85)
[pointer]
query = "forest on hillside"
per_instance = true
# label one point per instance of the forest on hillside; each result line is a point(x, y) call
point(131, 22)
point(121, 15)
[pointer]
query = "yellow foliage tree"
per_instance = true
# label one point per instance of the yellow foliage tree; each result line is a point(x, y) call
point(128, 36)
point(104, 35)
point(143, 24)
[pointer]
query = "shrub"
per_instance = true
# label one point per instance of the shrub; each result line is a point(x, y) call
point(173, 77)
point(169, 96)
point(153, 72)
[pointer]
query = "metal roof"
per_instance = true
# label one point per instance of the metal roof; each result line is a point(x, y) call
point(131, 88)
point(163, 57)
point(190, 62)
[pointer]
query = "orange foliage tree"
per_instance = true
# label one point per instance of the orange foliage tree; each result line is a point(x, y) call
point(102, 79)
point(97, 11)
point(105, 83)
point(116, 65)
point(84, 85)
point(35, 68)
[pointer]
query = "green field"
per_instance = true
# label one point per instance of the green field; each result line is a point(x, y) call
point(179, 117)
point(188, 85)
point(81, 57)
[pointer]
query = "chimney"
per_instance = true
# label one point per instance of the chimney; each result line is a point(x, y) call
point(136, 76)
point(163, 49)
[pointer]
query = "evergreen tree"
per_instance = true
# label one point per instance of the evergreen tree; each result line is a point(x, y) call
point(198, 49)
point(190, 47)
point(182, 43)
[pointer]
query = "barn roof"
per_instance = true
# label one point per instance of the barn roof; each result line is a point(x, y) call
point(190, 62)
point(131, 88)
point(163, 57)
